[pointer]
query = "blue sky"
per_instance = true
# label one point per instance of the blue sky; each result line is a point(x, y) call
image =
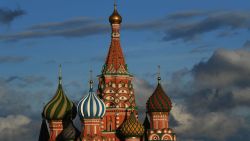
point(200, 45)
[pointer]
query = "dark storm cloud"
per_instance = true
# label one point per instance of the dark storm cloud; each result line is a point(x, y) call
point(214, 95)
point(211, 22)
point(7, 15)
point(81, 31)
point(16, 93)
point(11, 100)
point(219, 84)
point(187, 25)
point(222, 82)
point(79, 27)
point(224, 68)
point(20, 107)
point(13, 59)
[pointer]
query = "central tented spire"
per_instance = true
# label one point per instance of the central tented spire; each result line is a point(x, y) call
point(115, 62)
point(115, 86)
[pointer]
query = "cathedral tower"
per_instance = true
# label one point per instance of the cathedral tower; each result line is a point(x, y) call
point(158, 108)
point(111, 114)
point(115, 83)
point(91, 109)
point(57, 111)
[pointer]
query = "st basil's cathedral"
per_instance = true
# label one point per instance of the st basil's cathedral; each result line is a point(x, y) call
point(108, 113)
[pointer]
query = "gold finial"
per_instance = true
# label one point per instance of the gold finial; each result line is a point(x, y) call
point(115, 18)
point(91, 79)
point(60, 74)
point(159, 74)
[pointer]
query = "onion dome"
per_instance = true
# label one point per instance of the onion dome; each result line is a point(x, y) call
point(159, 101)
point(69, 133)
point(115, 18)
point(91, 106)
point(132, 127)
point(59, 106)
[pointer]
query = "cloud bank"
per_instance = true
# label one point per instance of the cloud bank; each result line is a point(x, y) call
point(184, 26)
point(218, 90)
point(210, 100)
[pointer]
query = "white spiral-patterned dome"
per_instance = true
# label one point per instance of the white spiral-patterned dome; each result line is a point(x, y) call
point(91, 106)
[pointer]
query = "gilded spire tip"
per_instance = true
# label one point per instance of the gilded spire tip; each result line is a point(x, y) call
point(60, 74)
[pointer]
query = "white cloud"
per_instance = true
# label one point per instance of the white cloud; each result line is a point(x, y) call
point(224, 69)
point(183, 118)
point(241, 95)
point(13, 125)
point(213, 125)
point(142, 91)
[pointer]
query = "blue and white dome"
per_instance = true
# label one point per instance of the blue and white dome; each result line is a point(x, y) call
point(91, 106)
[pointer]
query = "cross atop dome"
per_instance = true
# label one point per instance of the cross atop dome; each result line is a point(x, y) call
point(91, 79)
point(60, 74)
point(159, 74)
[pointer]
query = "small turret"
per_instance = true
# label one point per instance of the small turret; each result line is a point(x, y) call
point(132, 128)
point(91, 106)
point(159, 101)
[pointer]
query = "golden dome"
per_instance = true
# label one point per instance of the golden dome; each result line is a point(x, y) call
point(115, 18)
point(132, 127)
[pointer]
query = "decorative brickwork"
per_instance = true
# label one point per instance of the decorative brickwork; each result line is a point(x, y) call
point(111, 113)
point(115, 84)
point(158, 108)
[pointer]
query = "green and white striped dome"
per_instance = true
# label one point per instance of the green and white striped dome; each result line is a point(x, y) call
point(59, 107)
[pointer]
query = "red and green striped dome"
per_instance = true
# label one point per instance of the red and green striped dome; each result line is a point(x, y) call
point(159, 101)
